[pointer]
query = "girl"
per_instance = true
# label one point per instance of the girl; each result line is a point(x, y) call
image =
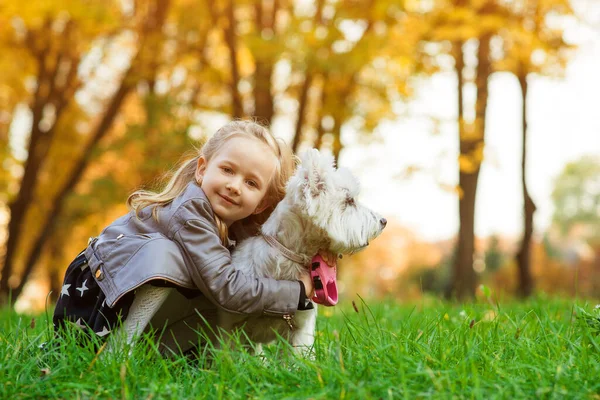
point(180, 237)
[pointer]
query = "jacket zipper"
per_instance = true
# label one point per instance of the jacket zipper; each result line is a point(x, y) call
point(288, 318)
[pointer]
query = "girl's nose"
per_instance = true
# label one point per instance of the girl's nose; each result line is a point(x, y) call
point(233, 186)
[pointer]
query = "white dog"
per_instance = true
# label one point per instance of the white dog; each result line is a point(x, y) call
point(319, 211)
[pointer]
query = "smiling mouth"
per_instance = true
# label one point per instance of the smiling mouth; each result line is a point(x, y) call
point(227, 199)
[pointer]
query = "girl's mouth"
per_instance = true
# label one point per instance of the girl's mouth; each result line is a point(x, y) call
point(228, 200)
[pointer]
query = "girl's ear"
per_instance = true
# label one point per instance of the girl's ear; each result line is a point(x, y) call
point(264, 204)
point(200, 168)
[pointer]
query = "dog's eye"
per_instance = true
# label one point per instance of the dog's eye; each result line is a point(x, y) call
point(349, 201)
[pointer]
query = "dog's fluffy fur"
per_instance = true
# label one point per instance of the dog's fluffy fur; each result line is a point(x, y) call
point(319, 211)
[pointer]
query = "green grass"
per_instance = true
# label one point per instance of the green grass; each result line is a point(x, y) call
point(545, 348)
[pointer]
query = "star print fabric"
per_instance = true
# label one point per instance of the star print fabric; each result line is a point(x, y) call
point(82, 303)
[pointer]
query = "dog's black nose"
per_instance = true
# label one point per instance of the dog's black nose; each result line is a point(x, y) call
point(383, 221)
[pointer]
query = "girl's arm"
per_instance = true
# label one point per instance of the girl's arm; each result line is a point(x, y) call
point(209, 266)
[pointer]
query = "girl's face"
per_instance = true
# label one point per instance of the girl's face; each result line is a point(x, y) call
point(237, 178)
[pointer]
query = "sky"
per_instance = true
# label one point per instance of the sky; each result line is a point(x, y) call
point(564, 125)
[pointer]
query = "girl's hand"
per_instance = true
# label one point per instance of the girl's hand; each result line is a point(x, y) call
point(329, 257)
point(308, 284)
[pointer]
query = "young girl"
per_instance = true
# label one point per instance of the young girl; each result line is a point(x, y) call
point(180, 237)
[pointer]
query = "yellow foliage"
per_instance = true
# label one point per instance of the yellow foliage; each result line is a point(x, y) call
point(456, 189)
point(471, 131)
point(92, 16)
point(467, 164)
point(245, 60)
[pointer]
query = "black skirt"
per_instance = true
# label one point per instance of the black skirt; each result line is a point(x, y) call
point(82, 303)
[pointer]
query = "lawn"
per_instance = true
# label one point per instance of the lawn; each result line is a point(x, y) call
point(544, 348)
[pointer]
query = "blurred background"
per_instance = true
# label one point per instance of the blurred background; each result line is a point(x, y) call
point(471, 124)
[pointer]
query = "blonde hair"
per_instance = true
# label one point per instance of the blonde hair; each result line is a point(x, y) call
point(186, 173)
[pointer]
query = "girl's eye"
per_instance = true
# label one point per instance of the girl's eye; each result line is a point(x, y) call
point(252, 183)
point(227, 170)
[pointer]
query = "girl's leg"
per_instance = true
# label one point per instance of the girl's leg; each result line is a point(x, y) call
point(148, 300)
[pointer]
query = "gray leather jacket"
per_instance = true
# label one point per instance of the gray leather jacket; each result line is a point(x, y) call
point(184, 248)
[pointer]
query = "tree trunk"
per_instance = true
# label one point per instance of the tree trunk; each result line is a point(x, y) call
point(320, 133)
point(302, 106)
point(48, 93)
point(523, 256)
point(464, 280)
point(263, 98)
point(20, 205)
point(55, 269)
point(153, 25)
point(319, 139)
point(336, 146)
point(55, 281)
point(75, 175)
point(459, 64)
point(230, 37)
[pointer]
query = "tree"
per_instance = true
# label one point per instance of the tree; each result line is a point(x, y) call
point(576, 198)
point(465, 24)
point(149, 17)
point(532, 47)
point(140, 69)
point(53, 44)
point(493, 256)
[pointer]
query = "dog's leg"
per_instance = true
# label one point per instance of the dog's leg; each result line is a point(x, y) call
point(303, 337)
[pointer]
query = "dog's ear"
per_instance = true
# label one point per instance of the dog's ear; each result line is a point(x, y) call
point(315, 168)
point(315, 185)
point(314, 179)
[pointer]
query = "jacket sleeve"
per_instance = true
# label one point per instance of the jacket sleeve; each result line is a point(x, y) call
point(210, 268)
